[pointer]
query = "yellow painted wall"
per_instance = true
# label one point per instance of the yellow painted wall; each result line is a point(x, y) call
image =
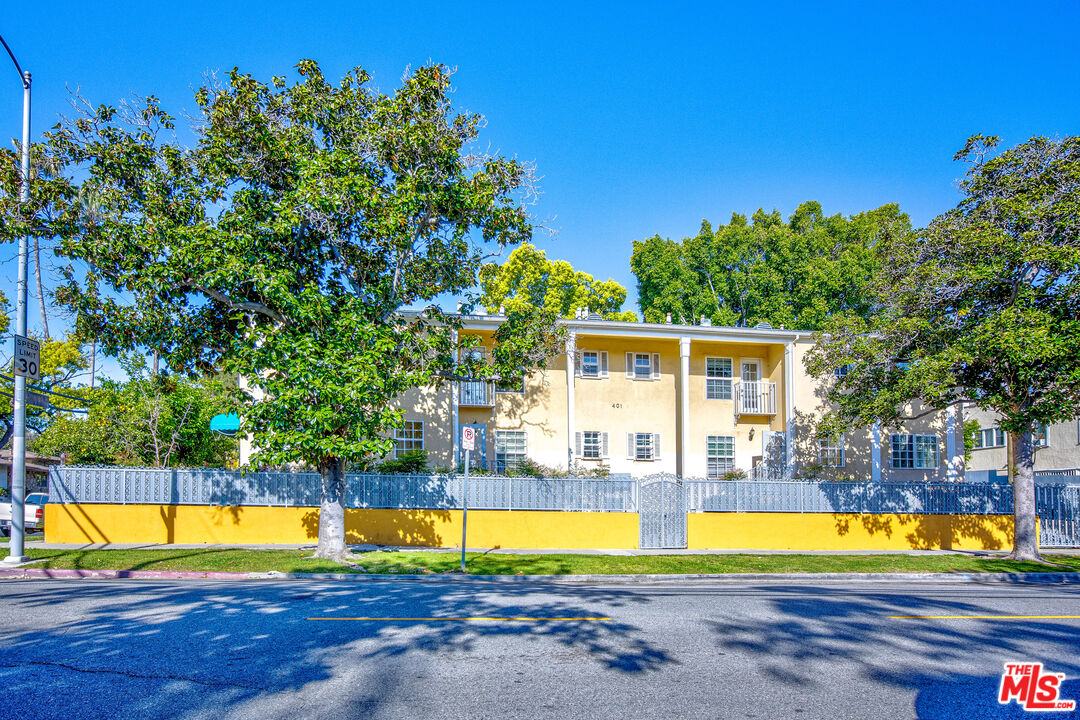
point(844, 531)
point(93, 523)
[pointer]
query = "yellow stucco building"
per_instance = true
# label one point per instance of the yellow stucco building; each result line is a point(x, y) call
point(691, 400)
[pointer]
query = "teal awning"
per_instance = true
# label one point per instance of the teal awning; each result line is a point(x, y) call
point(227, 424)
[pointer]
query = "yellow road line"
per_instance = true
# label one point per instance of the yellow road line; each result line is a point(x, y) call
point(984, 617)
point(457, 619)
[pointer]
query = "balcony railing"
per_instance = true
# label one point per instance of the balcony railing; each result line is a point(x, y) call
point(755, 398)
point(475, 393)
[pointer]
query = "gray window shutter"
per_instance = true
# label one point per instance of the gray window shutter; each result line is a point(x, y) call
point(603, 363)
point(603, 445)
point(629, 365)
point(656, 446)
point(629, 446)
point(577, 364)
point(656, 366)
point(577, 443)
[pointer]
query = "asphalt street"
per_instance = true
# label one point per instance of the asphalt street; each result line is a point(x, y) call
point(406, 649)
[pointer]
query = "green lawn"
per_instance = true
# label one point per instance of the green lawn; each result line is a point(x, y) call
point(414, 562)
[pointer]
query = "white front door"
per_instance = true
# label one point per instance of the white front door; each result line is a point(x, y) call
point(751, 370)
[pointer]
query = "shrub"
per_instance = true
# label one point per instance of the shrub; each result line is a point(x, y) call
point(412, 462)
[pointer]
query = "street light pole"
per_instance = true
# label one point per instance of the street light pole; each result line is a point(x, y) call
point(16, 547)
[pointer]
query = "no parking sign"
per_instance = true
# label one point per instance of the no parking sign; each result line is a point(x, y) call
point(468, 438)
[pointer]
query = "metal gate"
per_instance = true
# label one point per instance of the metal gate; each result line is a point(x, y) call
point(662, 512)
point(1058, 508)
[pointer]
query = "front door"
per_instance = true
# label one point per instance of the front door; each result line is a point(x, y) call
point(478, 457)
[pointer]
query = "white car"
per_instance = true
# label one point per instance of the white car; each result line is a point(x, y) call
point(33, 513)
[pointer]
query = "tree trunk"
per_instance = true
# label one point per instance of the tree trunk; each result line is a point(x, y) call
point(40, 291)
point(332, 510)
point(1025, 540)
point(93, 362)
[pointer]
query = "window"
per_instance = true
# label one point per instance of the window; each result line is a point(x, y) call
point(1039, 436)
point(509, 450)
point(592, 445)
point(642, 446)
point(831, 452)
point(718, 378)
point(720, 454)
point(915, 451)
point(842, 371)
point(643, 366)
point(989, 438)
point(511, 386)
point(751, 370)
point(593, 364)
point(409, 436)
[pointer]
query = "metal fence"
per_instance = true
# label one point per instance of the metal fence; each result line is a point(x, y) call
point(846, 497)
point(166, 486)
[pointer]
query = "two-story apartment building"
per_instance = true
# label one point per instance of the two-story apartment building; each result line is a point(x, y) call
point(1057, 447)
point(692, 400)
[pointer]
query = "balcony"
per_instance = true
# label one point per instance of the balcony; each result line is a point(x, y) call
point(755, 398)
point(476, 393)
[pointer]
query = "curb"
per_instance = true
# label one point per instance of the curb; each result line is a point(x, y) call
point(986, 578)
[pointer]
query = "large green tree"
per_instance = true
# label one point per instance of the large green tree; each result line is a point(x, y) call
point(158, 420)
point(281, 243)
point(529, 279)
point(982, 306)
point(792, 273)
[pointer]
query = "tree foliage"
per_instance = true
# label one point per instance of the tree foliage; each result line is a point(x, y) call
point(981, 306)
point(529, 279)
point(793, 274)
point(154, 420)
point(282, 244)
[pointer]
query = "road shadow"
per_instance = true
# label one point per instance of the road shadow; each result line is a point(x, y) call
point(813, 636)
point(206, 650)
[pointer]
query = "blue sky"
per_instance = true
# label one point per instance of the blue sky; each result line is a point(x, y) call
point(641, 118)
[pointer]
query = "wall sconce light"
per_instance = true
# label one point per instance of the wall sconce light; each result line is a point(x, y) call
point(751, 433)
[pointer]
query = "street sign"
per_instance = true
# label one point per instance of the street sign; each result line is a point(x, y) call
point(468, 438)
point(27, 357)
point(38, 400)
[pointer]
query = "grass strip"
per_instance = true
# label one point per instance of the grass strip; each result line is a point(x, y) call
point(418, 562)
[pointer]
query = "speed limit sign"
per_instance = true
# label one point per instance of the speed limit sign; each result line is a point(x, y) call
point(27, 357)
point(468, 438)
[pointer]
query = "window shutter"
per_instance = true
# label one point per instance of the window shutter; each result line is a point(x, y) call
point(656, 366)
point(577, 443)
point(656, 446)
point(577, 364)
point(629, 365)
point(603, 364)
point(629, 446)
point(603, 445)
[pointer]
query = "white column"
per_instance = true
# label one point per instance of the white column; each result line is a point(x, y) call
point(455, 416)
point(875, 453)
point(954, 463)
point(571, 350)
point(789, 408)
point(684, 404)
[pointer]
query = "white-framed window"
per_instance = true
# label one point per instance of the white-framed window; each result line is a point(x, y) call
point(831, 452)
point(750, 370)
point(718, 373)
point(1039, 436)
point(518, 387)
point(509, 450)
point(643, 366)
point(842, 371)
point(592, 445)
point(720, 454)
point(409, 436)
point(918, 452)
point(643, 446)
point(989, 438)
point(593, 364)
